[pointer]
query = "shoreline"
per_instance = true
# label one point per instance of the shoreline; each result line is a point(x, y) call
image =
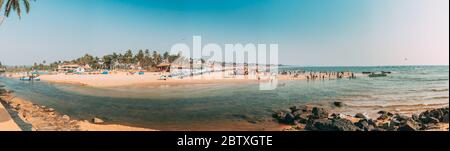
point(152, 79)
point(41, 118)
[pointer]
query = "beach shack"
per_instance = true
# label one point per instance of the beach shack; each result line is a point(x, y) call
point(68, 67)
point(73, 68)
point(164, 67)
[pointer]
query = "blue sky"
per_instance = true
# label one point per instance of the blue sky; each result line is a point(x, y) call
point(309, 32)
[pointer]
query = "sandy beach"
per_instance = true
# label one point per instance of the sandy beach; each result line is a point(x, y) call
point(123, 79)
point(43, 118)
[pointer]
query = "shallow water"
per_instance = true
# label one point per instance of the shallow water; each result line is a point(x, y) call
point(236, 106)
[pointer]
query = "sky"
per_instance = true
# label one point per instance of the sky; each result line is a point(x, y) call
point(308, 32)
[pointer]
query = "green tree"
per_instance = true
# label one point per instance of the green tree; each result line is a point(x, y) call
point(54, 66)
point(166, 55)
point(14, 5)
point(85, 60)
point(128, 57)
point(139, 58)
point(147, 62)
point(35, 66)
point(172, 58)
point(108, 61)
point(156, 57)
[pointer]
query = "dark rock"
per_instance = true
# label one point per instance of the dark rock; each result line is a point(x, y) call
point(415, 117)
point(335, 116)
point(302, 118)
point(394, 123)
point(319, 113)
point(360, 115)
point(382, 112)
point(410, 125)
point(302, 108)
point(320, 125)
point(433, 120)
point(279, 115)
point(389, 114)
point(427, 119)
point(298, 112)
point(436, 113)
point(289, 118)
point(383, 117)
point(401, 117)
point(371, 122)
point(386, 125)
point(49, 110)
point(432, 116)
point(445, 118)
point(331, 125)
point(363, 124)
point(338, 104)
point(66, 117)
point(344, 125)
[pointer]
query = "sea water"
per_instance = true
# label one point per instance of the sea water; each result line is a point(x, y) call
point(238, 106)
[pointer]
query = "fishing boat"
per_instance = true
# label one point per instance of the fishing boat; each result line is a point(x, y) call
point(374, 75)
point(29, 78)
point(386, 72)
point(366, 72)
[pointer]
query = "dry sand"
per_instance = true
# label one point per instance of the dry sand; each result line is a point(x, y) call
point(122, 79)
point(6, 122)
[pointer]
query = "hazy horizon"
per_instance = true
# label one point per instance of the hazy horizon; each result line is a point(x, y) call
point(309, 33)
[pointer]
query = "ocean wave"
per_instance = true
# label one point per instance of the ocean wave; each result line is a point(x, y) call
point(439, 90)
point(440, 97)
point(398, 105)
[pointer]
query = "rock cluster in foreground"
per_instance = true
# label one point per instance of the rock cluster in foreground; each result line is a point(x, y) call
point(309, 118)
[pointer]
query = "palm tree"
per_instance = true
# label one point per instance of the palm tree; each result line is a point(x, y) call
point(14, 5)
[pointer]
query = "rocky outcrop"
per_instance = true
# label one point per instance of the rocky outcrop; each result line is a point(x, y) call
point(319, 119)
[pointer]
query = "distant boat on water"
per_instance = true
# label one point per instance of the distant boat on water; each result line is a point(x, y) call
point(373, 75)
point(29, 78)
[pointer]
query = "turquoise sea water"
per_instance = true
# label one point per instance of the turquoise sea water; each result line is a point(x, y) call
point(218, 106)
